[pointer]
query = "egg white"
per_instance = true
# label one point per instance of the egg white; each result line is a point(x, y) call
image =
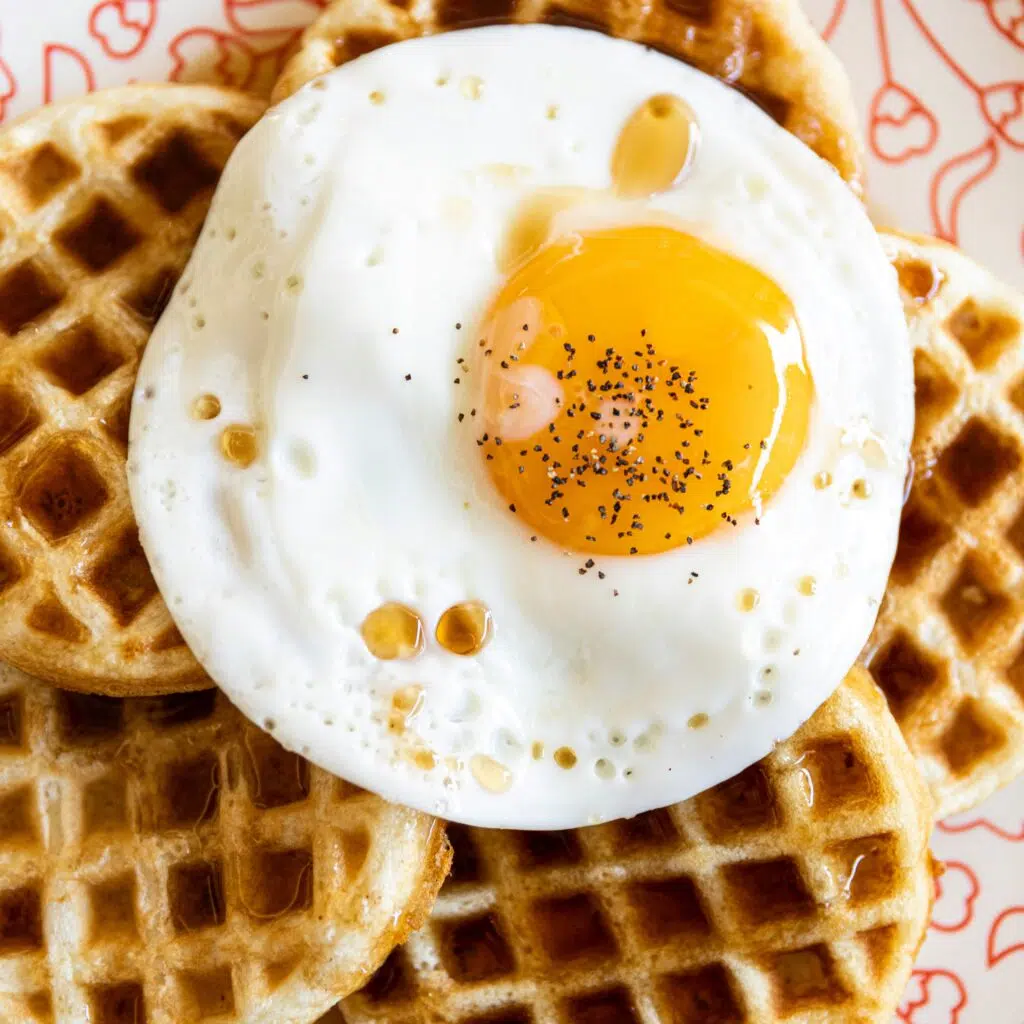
point(356, 227)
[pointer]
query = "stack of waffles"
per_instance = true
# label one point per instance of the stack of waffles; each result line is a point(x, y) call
point(163, 860)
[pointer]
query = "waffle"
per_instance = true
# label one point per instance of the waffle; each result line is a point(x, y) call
point(948, 648)
point(767, 49)
point(798, 890)
point(100, 203)
point(164, 861)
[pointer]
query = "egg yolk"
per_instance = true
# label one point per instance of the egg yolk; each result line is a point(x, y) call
point(641, 389)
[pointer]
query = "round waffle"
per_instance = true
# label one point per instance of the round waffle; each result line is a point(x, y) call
point(948, 648)
point(100, 203)
point(162, 861)
point(767, 50)
point(799, 890)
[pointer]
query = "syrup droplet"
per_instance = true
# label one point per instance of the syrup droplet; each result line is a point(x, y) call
point(861, 489)
point(698, 721)
point(472, 87)
point(747, 600)
point(239, 445)
point(206, 407)
point(393, 631)
point(565, 757)
point(423, 759)
point(531, 224)
point(537, 750)
point(807, 586)
point(655, 147)
point(405, 705)
point(921, 280)
point(492, 775)
point(465, 628)
point(823, 480)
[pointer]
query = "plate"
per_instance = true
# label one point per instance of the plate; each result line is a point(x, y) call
point(940, 87)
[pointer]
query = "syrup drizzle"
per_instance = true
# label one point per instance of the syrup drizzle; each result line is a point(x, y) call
point(655, 147)
point(654, 152)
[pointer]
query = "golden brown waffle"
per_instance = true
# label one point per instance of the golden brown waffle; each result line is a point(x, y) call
point(100, 203)
point(164, 861)
point(765, 48)
point(948, 649)
point(798, 890)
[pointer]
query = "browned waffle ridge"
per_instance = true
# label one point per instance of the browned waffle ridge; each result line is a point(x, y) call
point(765, 48)
point(100, 203)
point(164, 861)
point(798, 890)
point(948, 649)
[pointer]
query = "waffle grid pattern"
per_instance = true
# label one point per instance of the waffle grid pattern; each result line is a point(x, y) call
point(798, 890)
point(100, 203)
point(162, 860)
point(948, 649)
point(768, 51)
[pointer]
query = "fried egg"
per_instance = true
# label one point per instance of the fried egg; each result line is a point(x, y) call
point(526, 439)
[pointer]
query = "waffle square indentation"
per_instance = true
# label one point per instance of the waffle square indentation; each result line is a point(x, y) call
point(10, 723)
point(150, 298)
point(10, 571)
point(458, 12)
point(548, 849)
point(906, 673)
point(475, 949)
point(972, 737)
point(274, 777)
point(176, 709)
point(210, 993)
point(279, 882)
point(610, 1006)
point(355, 42)
point(176, 172)
point(572, 927)
point(50, 617)
point(743, 803)
point(1014, 672)
point(118, 1004)
point(868, 868)
point(105, 805)
point(585, 16)
point(467, 864)
point(805, 978)
point(983, 332)
point(668, 908)
point(100, 237)
point(190, 793)
point(62, 491)
point(42, 173)
point(18, 417)
point(123, 579)
point(86, 719)
point(835, 775)
point(696, 12)
point(974, 604)
point(26, 294)
point(922, 533)
point(977, 460)
point(79, 359)
point(768, 891)
point(21, 920)
point(393, 983)
point(651, 829)
point(195, 894)
point(706, 996)
point(934, 392)
point(19, 824)
point(112, 909)
point(1015, 534)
